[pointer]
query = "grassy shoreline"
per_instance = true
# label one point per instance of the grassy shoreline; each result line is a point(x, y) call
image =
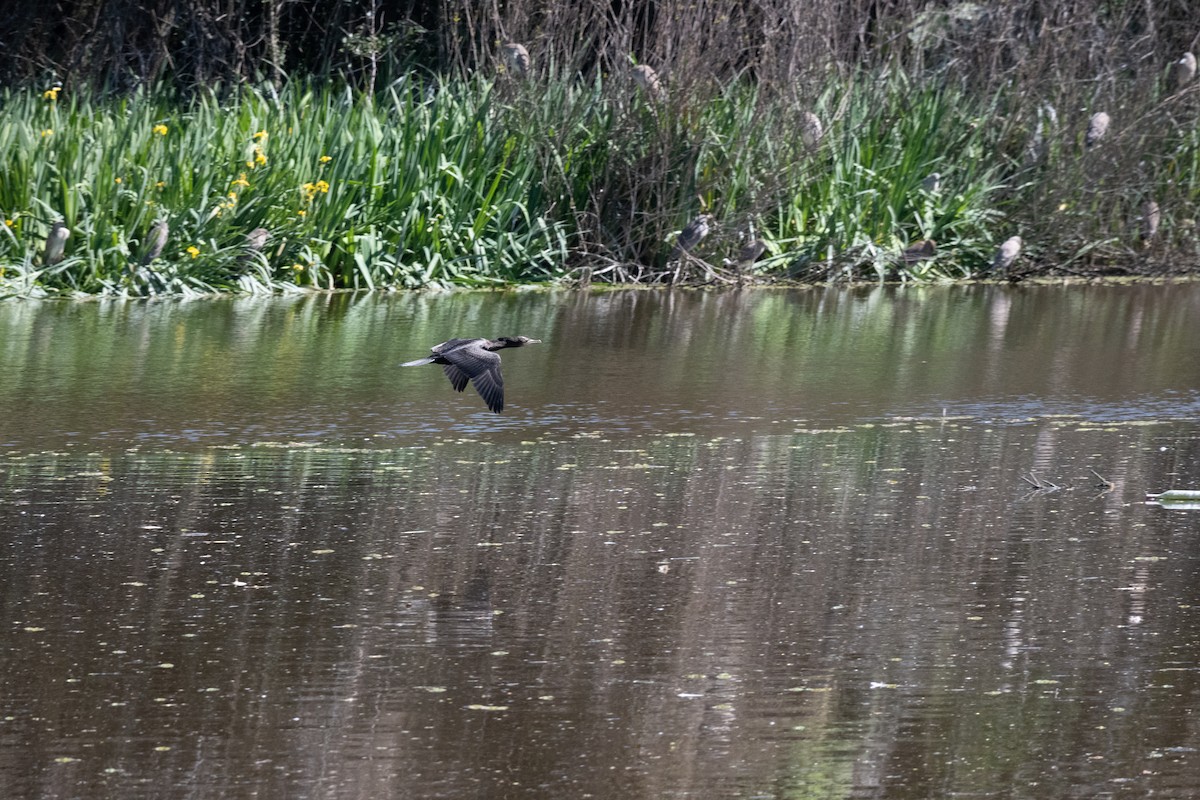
point(498, 181)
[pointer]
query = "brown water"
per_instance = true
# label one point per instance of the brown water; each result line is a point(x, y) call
point(771, 544)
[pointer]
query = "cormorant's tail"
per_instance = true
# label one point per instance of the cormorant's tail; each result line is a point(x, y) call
point(418, 362)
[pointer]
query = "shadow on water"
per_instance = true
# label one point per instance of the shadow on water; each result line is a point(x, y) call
point(769, 544)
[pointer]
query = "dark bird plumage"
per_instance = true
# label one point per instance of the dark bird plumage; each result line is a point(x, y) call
point(517, 59)
point(474, 360)
point(692, 234)
point(1007, 254)
point(1151, 216)
point(155, 242)
point(917, 252)
point(750, 252)
point(1182, 71)
point(56, 243)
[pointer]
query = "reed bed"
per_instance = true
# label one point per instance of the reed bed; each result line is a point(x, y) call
point(412, 187)
point(497, 179)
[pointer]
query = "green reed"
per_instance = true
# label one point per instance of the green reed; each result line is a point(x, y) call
point(495, 182)
point(859, 198)
point(414, 187)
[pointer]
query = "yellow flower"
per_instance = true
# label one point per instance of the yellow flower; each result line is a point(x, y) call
point(311, 189)
point(161, 130)
point(233, 196)
point(301, 213)
point(193, 251)
point(47, 132)
point(118, 180)
point(325, 159)
point(8, 223)
point(241, 181)
point(259, 156)
point(298, 267)
point(160, 184)
point(261, 135)
point(52, 93)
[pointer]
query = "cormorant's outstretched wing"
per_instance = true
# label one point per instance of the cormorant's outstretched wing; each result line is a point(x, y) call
point(453, 344)
point(482, 367)
point(458, 378)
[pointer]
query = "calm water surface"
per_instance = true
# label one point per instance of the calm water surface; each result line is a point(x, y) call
point(769, 544)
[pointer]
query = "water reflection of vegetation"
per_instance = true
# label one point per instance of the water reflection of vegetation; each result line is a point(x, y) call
point(834, 592)
point(811, 563)
point(241, 359)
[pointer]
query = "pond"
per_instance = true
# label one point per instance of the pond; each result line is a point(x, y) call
point(818, 543)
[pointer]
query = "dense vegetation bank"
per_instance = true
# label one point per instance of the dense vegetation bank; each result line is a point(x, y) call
point(930, 157)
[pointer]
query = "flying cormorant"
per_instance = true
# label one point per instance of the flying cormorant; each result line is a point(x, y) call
point(474, 360)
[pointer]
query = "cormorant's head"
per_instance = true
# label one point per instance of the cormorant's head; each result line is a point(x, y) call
point(518, 341)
